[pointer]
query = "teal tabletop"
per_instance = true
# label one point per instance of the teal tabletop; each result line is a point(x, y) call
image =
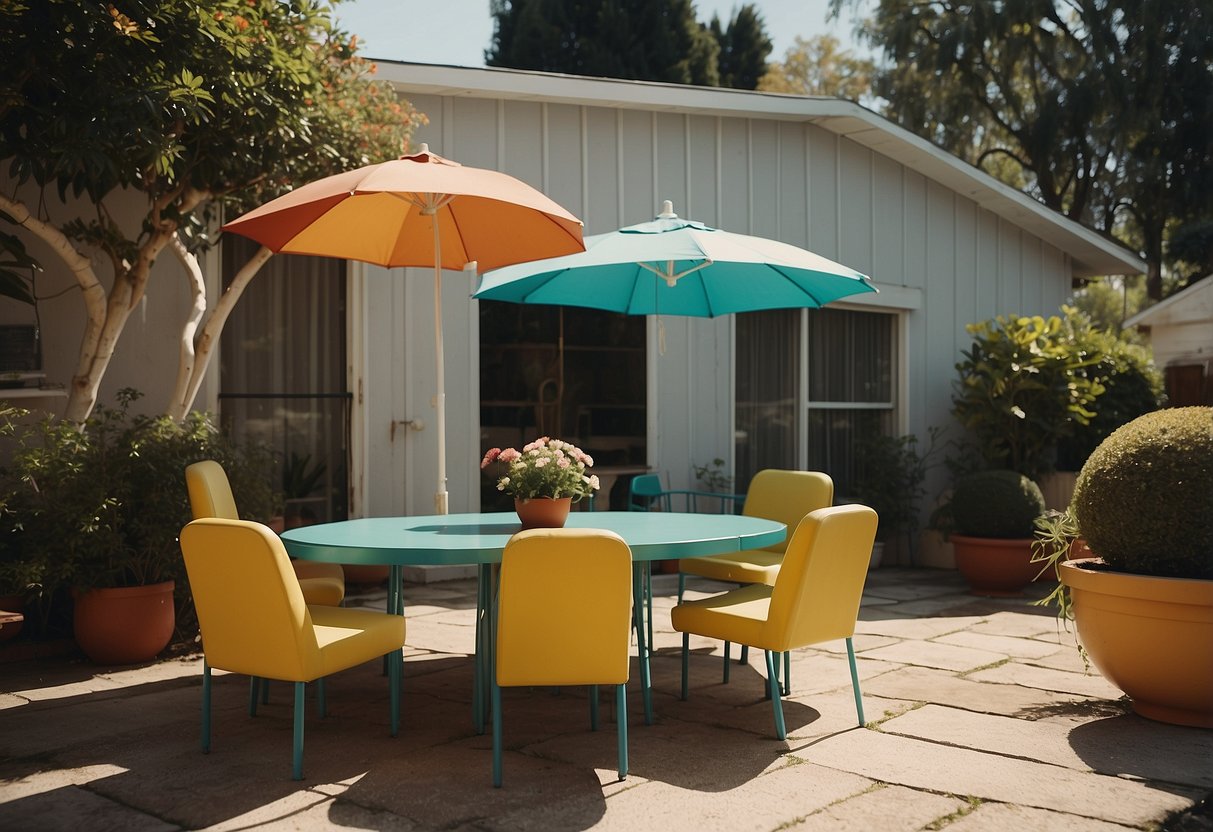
point(480, 538)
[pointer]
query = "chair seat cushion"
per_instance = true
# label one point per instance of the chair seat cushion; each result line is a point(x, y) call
point(348, 637)
point(327, 592)
point(739, 616)
point(758, 566)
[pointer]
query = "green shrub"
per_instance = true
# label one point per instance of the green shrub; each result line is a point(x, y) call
point(1144, 499)
point(999, 503)
point(1021, 389)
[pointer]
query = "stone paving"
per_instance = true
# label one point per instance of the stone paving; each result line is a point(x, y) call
point(981, 716)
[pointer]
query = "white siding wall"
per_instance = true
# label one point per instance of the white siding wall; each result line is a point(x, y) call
point(785, 179)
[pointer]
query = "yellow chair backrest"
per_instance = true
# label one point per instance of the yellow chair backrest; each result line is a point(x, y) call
point(787, 496)
point(210, 491)
point(250, 608)
point(564, 608)
point(816, 596)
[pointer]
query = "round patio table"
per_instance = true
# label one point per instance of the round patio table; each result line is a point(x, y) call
point(481, 538)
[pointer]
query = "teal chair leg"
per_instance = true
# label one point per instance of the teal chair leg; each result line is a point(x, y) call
point(206, 707)
point(773, 692)
point(593, 707)
point(648, 593)
point(855, 681)
point(322, 705)
point(396, 662)
point(682, 585)
point(254, 693)
point(495, 695)
point(621, 726)
point(297, 768)
point(264, 685)
point(744, 658)
point(725, 675)
point(787, 673)
point(686, 649)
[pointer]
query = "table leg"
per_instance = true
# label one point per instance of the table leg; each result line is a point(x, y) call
point(480, 666)
point(642, 650)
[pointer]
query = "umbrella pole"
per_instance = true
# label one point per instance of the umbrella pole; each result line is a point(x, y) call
point(440, 497)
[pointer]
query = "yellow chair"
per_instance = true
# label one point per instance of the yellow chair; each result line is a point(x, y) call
point(564, 618)
point(785, 496)
point(815, 598)
point(254, 620)
point(211, 496)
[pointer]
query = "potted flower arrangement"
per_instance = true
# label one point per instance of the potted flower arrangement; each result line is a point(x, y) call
point(1143, 607)
point(544, 478)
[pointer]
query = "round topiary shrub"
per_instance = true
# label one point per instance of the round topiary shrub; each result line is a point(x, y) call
point(1144, 499)
point(1000, 503)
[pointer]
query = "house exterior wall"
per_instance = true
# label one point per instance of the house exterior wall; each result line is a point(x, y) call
point(940, 260)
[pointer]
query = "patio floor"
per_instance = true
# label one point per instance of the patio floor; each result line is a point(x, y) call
point(981, 717)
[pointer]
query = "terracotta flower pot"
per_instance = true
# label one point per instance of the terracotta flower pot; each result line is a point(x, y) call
point(1151, 637)
point(995, 566)
point(543, 512)
point(124, 625)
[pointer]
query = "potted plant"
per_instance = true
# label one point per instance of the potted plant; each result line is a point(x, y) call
point(890, 477)
point(1143, 608)
point(993, 514)
point(100, 505)
point(544, 478)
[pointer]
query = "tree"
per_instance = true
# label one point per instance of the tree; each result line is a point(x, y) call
point(650, 40)
point(1101, 109)
point(744, 47)
point(818, 67)
point(195, 105)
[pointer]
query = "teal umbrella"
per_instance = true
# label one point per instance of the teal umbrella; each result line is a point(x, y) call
point(672, 266)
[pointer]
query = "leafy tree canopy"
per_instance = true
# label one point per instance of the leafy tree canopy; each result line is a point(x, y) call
point(818, 66)
point(650, 40)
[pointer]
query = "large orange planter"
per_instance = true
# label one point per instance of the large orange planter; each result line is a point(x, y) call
point(124, 625)
point(995, 566)
point(1151, 637)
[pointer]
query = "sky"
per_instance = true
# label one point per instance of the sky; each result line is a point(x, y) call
point(458, 31)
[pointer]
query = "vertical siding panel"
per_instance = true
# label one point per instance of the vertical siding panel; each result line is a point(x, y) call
point(765, 184)
point(986, 287)
point(1010, 266)
point(855, 203)
point(603, 180)
point(793, 182)
point(931, 406)
point(431, 106)
point(671, 180)
point(1056, 280)
point(968, 271)
point(702, 185)
point(734, 176)
point(823, 193)
point(637, 174)
point(523, 131)
point(888, 223)
point(564, 163)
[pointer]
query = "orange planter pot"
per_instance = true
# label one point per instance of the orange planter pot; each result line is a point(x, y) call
point(124, 625)
point(1151, 637)
point(995, 566)
point(543, 512)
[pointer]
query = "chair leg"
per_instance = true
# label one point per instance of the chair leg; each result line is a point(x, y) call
point(593, 707)
point(495, 695)
point(725, 675)
point(787, 673)
point(855, 681)
point(396, 662)
point(621, 727)
point(265, 690)
point(206, 707)
point(744, 658)
point(648, 595)
point(254, 693)
point(773, 692)
point(322, 704)
point(686, 648)
point(300, 707)
point(682, 585)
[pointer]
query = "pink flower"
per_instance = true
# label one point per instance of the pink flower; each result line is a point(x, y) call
point(509, 455)
point(489, 457)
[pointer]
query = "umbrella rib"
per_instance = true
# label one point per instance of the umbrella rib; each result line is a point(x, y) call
point(779, 271)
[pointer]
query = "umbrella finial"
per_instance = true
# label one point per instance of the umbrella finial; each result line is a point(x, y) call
point(667, 211)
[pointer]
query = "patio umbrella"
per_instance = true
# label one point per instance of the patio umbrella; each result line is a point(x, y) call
point(673, 266)
point(418, 210)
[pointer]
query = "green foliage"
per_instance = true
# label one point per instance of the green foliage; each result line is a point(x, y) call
point(102, 505)
point(301, 477)
point(544, 468)
point(16, 268)
point(651, 40)
point(889, 477)
point(1102, 109)
point(712, 476)
point(999, 503)
point(1022, 388)
point(1144, 499)
point(818, 67)
point(1131, 384)
point(1109, 302)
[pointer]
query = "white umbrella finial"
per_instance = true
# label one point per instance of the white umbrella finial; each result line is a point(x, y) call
point(667, 211)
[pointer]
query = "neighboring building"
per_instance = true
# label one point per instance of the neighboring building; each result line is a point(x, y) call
point(1180, 330)
point(333, 362)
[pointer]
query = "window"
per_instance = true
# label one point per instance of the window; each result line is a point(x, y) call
point(851, 391)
